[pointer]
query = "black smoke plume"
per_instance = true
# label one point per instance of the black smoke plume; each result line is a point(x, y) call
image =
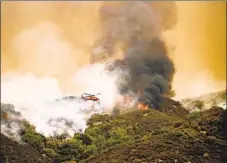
point(137, 27)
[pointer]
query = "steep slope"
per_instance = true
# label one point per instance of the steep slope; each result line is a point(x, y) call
point(172, 107)
point(11, 121)
point(205, 102)
point(155, 137)
point(13, 152)
point(140, 136)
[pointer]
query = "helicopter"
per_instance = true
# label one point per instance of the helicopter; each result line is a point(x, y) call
point(91, 97)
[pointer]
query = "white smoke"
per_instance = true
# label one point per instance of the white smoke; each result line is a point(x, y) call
point(48, 66)
point(196, 85)
point(35, 98)
point(11, 130)
point(95, 79)
point(10, 122)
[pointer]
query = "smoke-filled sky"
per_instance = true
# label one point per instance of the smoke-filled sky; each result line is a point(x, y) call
point(54, 39)
point(47, 49)
point(200, 40)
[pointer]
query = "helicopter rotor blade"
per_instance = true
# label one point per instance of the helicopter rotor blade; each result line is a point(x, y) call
point(88, 94)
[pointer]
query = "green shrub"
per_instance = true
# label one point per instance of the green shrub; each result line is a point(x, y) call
point(50, 152)
point(31, 137)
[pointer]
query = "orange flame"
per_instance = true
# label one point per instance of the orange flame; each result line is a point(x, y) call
point(142, 106)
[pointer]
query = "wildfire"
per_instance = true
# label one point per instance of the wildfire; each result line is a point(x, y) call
point(130, 101)
point(142, 106)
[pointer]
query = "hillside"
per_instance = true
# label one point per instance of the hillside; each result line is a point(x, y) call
point(137, 136)
point(13, 152)
point(205, 102)
point(151, 137)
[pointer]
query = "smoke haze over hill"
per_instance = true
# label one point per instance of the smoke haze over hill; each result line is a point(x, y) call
point(47, 48)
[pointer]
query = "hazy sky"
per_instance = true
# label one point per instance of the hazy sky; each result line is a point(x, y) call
point(201, 36)
point(200, 40)
point(70, 28)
